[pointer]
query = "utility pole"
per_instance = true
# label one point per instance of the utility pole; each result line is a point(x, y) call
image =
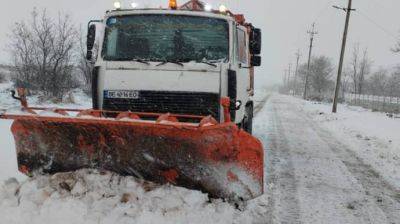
point(285, 80)
point(296, 72)
point(339, 76)
point(289, 74)
point(312, 33)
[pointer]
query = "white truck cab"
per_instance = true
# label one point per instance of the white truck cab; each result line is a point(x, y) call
point(174, 61)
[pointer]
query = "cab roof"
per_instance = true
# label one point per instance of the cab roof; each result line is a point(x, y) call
point(125, 12)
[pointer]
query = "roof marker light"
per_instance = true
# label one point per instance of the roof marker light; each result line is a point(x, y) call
point(173, 4)
point(117, 5)
point(208, 7)
point(134, 5)
point(223, 9)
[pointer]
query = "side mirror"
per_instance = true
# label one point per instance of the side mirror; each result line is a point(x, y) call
point(255, 61)
point(91, 37)
point(255, 41)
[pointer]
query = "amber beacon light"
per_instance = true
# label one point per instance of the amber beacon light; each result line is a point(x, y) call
point(173, 4)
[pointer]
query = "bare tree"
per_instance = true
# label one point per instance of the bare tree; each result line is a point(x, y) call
point(396, 49)
point(361, 68)
point(320, 74)
point(2, 77)
point(393, 84)
point(378, 83)
point(345, 83)
point(43, 52)
point(84, 66)
point(3, 73)
point(364, 70)
point(354, 65)
point(301, 77)
point(21, 48)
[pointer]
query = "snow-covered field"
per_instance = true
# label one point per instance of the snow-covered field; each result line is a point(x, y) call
point(320, 168)
point(8, 167)
point(374, 135)
point(81, 100)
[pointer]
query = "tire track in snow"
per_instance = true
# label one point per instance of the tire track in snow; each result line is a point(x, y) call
point(377, 189)
point(289, 198)
point(284, 205)
point(261, 104)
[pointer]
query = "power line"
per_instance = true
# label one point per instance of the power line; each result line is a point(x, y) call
point(382, 28)
point(317, 17)
point(379, 4)
point(378, 25)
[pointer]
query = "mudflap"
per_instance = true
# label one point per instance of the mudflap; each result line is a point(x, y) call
point(220, 159)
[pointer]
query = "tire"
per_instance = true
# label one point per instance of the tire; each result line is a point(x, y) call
point(247, 123)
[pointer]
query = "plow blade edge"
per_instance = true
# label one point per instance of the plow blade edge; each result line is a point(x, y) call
point(220, 159)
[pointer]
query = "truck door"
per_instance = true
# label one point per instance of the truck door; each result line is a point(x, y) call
point(242, 71)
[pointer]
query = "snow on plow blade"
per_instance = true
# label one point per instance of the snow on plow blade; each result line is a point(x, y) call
point(219, 159)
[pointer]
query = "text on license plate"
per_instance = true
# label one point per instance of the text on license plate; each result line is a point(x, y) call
point(122, 94)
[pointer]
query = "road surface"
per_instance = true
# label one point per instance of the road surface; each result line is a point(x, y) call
point(312, 177)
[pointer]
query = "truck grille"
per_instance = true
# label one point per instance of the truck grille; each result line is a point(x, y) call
point(203, 104)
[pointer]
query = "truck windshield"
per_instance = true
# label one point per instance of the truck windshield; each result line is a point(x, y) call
point(173, 38)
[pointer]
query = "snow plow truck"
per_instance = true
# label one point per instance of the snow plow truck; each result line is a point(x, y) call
point(172, 103)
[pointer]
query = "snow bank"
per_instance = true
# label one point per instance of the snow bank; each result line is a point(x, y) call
point(374, 136)
point(8, 167)
point(88, 196)
point(364, 121)
point(8, 157)
point(81, 100)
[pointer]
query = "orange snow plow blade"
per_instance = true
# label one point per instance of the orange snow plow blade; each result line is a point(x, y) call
point(217, 158)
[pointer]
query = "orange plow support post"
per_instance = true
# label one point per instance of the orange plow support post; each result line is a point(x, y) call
point(217, 158)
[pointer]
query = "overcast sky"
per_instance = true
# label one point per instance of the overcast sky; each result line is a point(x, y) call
point(375, 25)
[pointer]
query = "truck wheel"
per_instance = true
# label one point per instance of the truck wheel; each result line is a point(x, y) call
point(247, 122)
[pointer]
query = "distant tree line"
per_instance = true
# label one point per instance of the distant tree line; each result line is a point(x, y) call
point(358, 77)
point(320, 79)
point(384, 83)
point(47, 54)
point(2, 76)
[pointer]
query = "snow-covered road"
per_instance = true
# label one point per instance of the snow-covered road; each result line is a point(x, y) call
point(320, 168)
point(315, 177)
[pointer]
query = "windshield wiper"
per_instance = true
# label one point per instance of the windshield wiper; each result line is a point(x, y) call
point(141, 61)
point(207, 63)
point(173, 62)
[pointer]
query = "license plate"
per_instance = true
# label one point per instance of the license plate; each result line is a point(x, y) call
point(122, 94)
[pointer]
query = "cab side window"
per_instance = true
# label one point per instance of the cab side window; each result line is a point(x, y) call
point(242, 47)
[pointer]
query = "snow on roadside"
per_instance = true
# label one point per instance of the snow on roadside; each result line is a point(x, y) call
point(8, 157)
point(8, 166)
point(87, 196)
point(81, 100)
point(260, 95)
point(374, 136)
